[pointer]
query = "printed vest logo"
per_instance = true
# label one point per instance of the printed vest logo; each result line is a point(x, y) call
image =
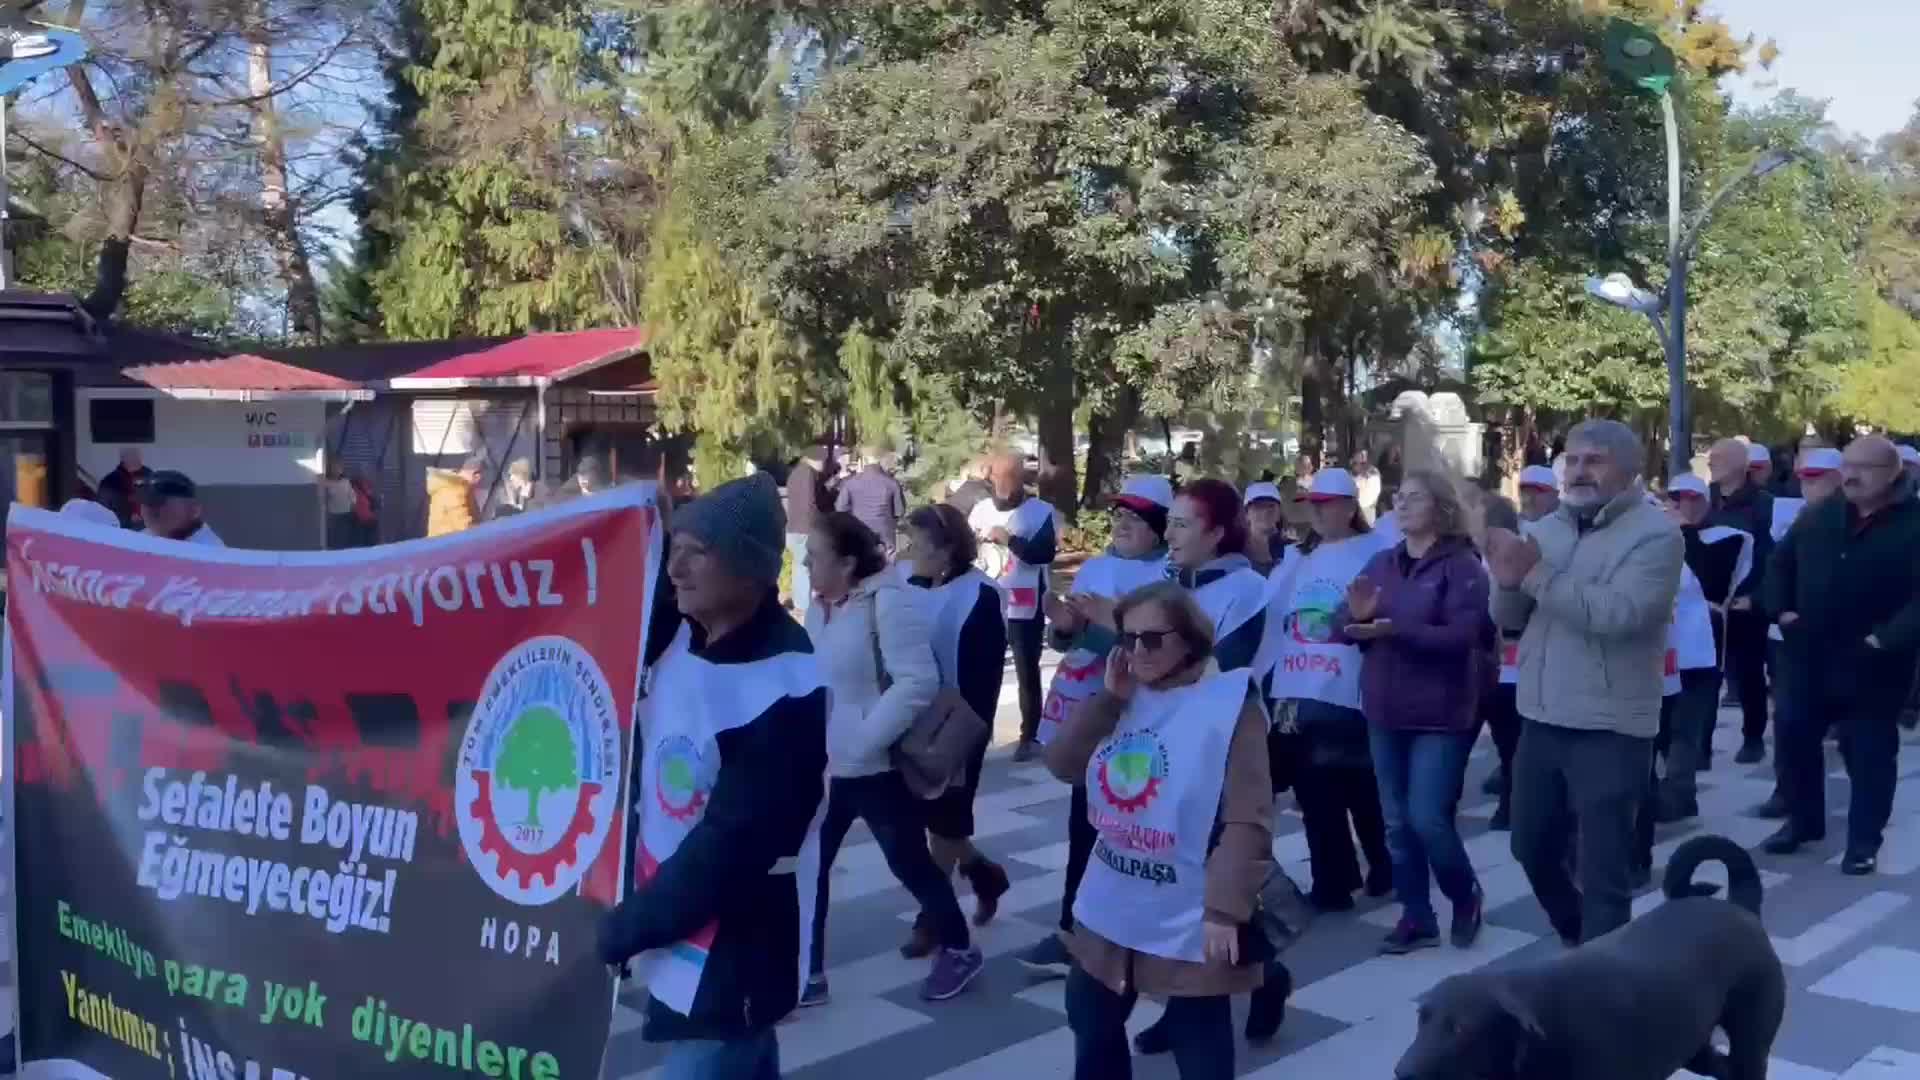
point(538, 775)
point(1311, 620)
point(1131, 772)
point(682, 778)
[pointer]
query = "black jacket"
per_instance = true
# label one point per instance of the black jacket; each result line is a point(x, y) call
point(1847, 580)
point(1714, 563)
point(770, 785)
point(1751, 511)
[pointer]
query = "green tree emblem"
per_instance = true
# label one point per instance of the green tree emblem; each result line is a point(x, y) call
point(1135, 767)
point(537, 757)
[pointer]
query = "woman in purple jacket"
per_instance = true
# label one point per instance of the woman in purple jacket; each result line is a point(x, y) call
point(1419, 613)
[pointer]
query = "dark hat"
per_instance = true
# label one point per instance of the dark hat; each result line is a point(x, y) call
point(168, 484)
point(743, 523)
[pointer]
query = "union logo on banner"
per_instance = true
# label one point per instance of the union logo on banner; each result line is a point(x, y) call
point(538, 775)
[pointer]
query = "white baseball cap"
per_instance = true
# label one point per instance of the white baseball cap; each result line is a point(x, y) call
point(1758, 454)
point(1819, 461)
point(1539, 476)
point(1145, 490)
point(1258, 491)
point(1908, 454)
point(1330, 484)
point(1687, 484)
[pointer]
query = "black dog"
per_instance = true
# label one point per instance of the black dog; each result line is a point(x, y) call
point(1640, 1003)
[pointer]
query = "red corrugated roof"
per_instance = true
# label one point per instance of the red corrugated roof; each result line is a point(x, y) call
point(243, 372)
point(542, 357)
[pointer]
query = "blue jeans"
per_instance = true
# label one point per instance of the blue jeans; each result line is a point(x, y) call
point(1420, 774)
point(751, 1057)
point(802, 581)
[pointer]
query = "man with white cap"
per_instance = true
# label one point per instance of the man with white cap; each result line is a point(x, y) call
point(1719, 559)
point(1759, 464)
point(1741, 502)
point(1539, 492)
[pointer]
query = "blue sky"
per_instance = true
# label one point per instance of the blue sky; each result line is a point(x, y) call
point(1861, 55)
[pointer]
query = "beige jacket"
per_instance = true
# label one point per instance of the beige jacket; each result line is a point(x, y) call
point(1593, 617)
point(1236, 869)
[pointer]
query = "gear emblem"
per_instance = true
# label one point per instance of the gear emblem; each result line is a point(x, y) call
point(538, 773)
point(1131, 772)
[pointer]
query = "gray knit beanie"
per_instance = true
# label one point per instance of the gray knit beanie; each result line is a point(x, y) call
point(741, 522)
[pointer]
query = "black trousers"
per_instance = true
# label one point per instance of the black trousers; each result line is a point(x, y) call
point(1580, 788)
point(1869, 745)
point(1335, 785)
point(1199, 1032)
point(1080, 837)
point(896, 819)
point(1748, 667)
point(1025, 639)
point(1500, 708)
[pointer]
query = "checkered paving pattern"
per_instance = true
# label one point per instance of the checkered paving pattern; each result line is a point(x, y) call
point(1851, 947)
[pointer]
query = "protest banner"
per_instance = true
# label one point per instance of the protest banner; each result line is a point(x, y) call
point(322, 814)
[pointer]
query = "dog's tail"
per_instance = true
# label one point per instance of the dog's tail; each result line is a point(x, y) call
point(1743, 877)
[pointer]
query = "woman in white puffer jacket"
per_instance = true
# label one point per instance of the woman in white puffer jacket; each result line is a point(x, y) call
point(872, 636)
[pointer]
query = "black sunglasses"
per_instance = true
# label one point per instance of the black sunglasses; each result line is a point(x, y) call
point(1152, 639)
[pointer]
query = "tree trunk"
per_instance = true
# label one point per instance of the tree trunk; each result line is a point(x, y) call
point(1106, 439)
point(125, 194)
point(277, 210)
point(1054, 426)
point(1317, 387)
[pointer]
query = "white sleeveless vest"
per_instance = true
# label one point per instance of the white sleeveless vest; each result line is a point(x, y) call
point(950, 605)
point(1153, 796)
point(1020, 583)
point(1785, 513)
point(1232, 600)
point(1081, 672)
point(1306, 663)
point(690, 702)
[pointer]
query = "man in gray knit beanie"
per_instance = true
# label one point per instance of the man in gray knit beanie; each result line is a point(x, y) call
point(742, 524)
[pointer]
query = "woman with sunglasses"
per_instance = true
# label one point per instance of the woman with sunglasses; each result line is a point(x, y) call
point(1173, 754)
point(1206, 555)
point(1315, 681)
point(1081, 626)
point(969, 640)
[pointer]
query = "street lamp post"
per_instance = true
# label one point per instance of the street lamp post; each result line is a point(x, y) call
point(1668, 312)
point(1637, 55)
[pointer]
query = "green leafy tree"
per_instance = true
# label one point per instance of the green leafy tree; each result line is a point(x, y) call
point(1053, 207)
point(1882, 387)
point(537, 757)
point(481, 210)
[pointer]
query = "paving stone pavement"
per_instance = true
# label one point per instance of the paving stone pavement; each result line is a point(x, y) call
point(1851, 948)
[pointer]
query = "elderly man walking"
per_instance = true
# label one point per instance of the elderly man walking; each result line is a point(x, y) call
point(1844, 588)
point(1591, 591)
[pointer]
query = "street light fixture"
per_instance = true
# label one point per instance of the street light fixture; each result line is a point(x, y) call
point(1638, 56)
point(1620, 291)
